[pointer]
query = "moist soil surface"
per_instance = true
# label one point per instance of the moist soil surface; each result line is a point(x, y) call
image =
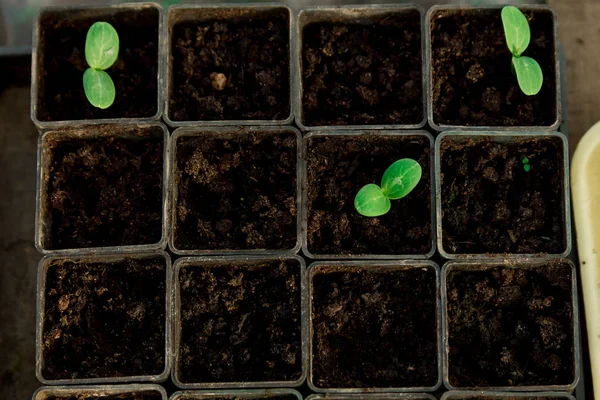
point(338, 167)
point(236, 69)
point(240, 323)
point(236, 193)
point(510, 326)
point(135, 73)
point(472, 79)
point(105, 191)
point(125, 396)
point(491, 204)
point(374, 328)
point(104, 319)
point(363, 74)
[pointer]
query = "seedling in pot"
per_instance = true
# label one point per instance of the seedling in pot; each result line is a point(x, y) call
point(526, 165)
point(398, 181)
point(517, 33)
point(101, 52)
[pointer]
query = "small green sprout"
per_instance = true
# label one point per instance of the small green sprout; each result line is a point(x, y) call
point(526, 165)
point(518, 35)
point(101, 52)
point(398, 180)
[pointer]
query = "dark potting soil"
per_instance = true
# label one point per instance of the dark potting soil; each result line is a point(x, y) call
point(472, 78)
point(105, 191)
point(374, 327)
point(236, 193)
point(148, 395)
point(363, 74)
point(510, 326)
point(104, 319)
point(135, 73)
point(491, 204)
point(337, 167)
point(233, 68)
point(240, 322)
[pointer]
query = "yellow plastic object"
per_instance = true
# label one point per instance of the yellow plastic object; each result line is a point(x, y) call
point(585, 189)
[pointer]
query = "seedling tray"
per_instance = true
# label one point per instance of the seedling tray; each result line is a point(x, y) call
point(436, 257)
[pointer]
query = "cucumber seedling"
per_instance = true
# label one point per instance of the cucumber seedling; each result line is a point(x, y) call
point(398, 180)
point(517, 33)
point(101, 52)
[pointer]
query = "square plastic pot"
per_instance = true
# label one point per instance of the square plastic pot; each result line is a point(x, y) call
point(523, 263)
point(304, 202)
point(177, 327)
point(501, 137)
point(249, 394)
point(99, 12)
point(461, 395)
point(45, 392)
point(44, 264)
point(356, 14)
point(428, 76)
point(371, 392)
point(230, 133)
point(198, 13)
point(43, 218)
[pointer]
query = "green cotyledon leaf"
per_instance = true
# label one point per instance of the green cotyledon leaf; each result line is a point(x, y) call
point(401, 178)
point(371, 202)
point(101, 45)
point(516, 30)
point(529, 75)
point(99, 88)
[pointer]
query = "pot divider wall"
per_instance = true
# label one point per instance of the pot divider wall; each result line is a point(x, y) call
point(352, 15)
point(74, 299)
point(81, 392)
point(86, 15)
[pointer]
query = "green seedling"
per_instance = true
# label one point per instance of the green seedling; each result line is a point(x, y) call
point(517, 33)
point(101, 52)
point(526, 165)
point(398, 181)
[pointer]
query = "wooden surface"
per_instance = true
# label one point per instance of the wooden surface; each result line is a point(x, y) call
point(579, 31)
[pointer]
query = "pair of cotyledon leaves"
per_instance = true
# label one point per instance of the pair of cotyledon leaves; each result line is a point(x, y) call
point(101, 52)
point(518, 35)
point(398, 180)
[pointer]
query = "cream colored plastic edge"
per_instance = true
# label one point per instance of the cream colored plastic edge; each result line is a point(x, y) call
point(585, 189)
